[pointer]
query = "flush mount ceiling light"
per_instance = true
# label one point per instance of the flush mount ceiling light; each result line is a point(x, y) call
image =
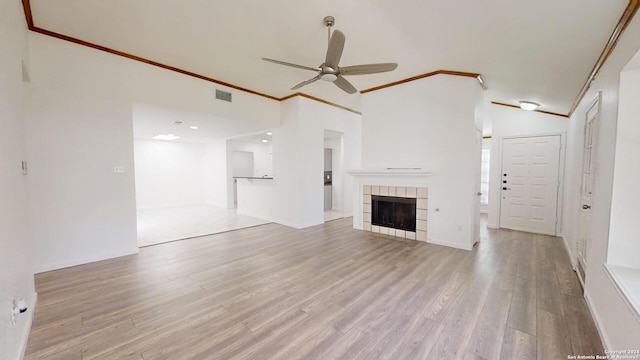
point(269, 133)
point(265, 140)
point(166, 137)
point(528, 105)
point(193, 127)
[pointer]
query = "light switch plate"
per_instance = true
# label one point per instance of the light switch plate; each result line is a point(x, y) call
point(118, 169)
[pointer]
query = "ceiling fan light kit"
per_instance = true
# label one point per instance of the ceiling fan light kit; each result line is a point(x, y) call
point(329, 70)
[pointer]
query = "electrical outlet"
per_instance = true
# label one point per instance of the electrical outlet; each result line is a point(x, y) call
point(118, 169)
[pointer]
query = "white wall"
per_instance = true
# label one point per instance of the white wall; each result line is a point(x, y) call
point(619, 327)
point(296, 195)
point(16, 259)
point(168, 173)
point(80, 126)
point(215, 174)
point(512, 122)
point(624, 245)
point(179, 173)
point(262, 163)
point(262, 159)
point(430, 124)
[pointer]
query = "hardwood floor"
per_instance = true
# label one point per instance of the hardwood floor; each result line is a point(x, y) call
point(272, 292)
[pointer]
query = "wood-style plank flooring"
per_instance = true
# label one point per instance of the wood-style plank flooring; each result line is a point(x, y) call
point(272, 292)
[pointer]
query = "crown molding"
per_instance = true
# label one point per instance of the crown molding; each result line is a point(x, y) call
point(433, 73)
point(628, 14)
point(26, 4)
point(625, 19)
point(539, 111)
point(321, 101)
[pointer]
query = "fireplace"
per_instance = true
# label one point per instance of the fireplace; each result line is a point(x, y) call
point(393, 212)
point(399, 211)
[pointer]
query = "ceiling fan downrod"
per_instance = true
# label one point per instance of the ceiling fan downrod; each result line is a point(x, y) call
point(328, 22)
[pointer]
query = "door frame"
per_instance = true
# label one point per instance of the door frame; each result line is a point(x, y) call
point(561, 174)
point(597, 104)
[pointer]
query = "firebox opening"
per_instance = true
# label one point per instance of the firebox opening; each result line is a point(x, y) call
point(393, 212)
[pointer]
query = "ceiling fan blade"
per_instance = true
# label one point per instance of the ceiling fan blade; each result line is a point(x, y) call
point(306, 82)
point(292, 65)
point(367, 69)
point(343, 84)
point(334, 52)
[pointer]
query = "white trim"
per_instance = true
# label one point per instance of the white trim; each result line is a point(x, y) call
point(623, 291)
point(27, 329)
point(450, 244)
point(568, 248)
point(596, 319)
point(76, 262)
point(493, 226)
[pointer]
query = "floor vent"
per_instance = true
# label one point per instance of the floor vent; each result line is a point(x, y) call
point(223, 95)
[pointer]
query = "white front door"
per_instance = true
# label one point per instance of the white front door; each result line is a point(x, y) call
point(529, 189)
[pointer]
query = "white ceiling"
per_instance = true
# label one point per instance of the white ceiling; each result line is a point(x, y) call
point(151, 120)
point(541, 51)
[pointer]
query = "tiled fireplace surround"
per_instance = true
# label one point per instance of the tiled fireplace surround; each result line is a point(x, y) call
point(418, 193)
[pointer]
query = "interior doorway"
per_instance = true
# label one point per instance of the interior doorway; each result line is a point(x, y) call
point(181, 163)
point(333, 175)
point(530, 184)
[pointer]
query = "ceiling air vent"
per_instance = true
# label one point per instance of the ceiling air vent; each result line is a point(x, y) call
point(223, 95)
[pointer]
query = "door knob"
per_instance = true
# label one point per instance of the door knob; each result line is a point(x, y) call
point(479, 193)
point(586, 207)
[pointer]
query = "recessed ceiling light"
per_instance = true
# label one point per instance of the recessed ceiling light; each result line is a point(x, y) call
point(265, 140)
point(166, 137)
point(193, 127)
point(528, 105)
point(269, 133)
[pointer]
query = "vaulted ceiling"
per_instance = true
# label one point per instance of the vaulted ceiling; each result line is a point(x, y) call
point(541, 51)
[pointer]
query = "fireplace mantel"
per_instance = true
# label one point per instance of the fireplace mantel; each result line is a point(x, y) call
point(390, 172)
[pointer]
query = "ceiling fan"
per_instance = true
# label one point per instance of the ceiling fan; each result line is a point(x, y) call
point(329, 70)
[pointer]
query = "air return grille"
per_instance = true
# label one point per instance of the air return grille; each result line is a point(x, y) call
point(223, 95)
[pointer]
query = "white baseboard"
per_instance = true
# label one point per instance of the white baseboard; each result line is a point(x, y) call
point(467, 247)
point(27, 329)
point(492, 226)
point(568, 249)
point(596, 319)
point(75, 262)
